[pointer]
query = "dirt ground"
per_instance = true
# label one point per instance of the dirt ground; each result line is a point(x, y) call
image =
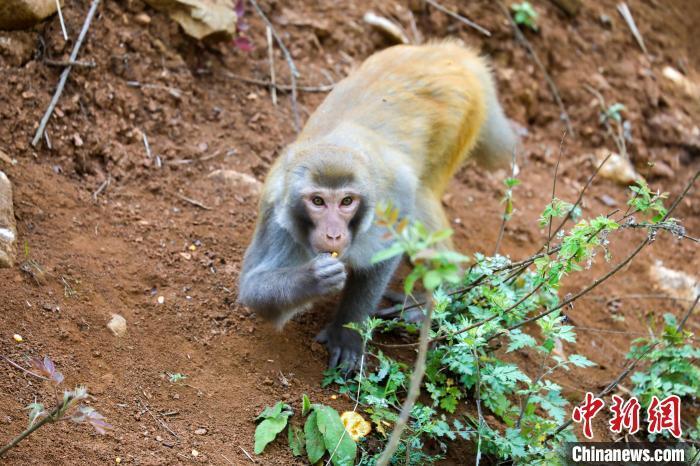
point(122, 249)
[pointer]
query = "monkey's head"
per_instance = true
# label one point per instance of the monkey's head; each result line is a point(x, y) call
point(329, 198)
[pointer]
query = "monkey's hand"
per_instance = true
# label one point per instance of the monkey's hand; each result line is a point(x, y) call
point(344, 348)
point(328, 274)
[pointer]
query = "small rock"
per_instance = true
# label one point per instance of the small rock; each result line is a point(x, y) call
point(200, 18)
point(617, 168)
point(607, 200)
point(159, 438)
point(77, 140)
point(21, 14)
point(195, 453)
point(200, 431)
point(8, 227)
point(662, 170)
point(240, 182)
point(674, 282)
point(117, 325)
point(143, 18)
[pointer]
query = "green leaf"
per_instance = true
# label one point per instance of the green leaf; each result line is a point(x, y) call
point(296, 440)
point(580, 361)
point(274, 421)
point(35, 411)
point(315, 447)
point(432, 280)
point(335, 437)
point(394, 250)
point(267, 431)
point(305, 405)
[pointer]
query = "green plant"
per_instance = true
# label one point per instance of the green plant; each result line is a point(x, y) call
point(524, 14)
point(67, 407)
point(323, 432)
point(176, 377)
point(466, 311)
point(672, 364)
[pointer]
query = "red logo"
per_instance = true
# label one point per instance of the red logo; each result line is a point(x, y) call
point(665, 415)
point(586, 412)
point(625, 415)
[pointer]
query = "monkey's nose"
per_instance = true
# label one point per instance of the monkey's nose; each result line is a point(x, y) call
point(334, 237)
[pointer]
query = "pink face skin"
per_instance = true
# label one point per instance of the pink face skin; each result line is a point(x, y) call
point(331, 211)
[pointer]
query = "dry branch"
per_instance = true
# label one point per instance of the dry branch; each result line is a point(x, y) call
point(280, 87)
point(65, 73)
point(550, 82)
point(294, 73)
point(459, 17)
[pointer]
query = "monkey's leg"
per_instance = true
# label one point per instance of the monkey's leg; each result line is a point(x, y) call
point(361, 295)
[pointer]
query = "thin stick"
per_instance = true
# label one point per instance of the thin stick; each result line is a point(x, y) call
point(580, 197)
point(502, 230)
point(629, 19)
point(60, 19)
point(290, 63)
point(149, 154)
point(102, 187)
point(247, 454)
point(280, 87)
point(65, 73)
point(159, 421)
point(478, 406)
point(271, 58)
point(85, 63)
point(413, 389)
point(194, 202)
point(554, 189)
point(550, 82)
point(459, 17)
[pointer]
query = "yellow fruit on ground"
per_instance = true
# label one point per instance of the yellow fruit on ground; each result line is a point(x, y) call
point(355, 425)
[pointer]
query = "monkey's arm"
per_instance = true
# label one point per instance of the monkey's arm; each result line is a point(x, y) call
point(277, 279)
point(361, 296)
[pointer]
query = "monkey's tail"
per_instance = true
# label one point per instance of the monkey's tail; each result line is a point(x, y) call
point(497, 139)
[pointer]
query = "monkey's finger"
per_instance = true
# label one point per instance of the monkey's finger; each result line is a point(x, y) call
point(349, 362)
point(334, 359)
point(329, 270)
point(322, 336)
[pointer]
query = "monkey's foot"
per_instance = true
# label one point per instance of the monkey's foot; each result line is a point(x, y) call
point(344, 348)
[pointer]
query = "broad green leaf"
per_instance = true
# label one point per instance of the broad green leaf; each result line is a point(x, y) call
point(315, 447)
point(296, 440)
point(580, 361)
point(268, 429)
point(335, 437)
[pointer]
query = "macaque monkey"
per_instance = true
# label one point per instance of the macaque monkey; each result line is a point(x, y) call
point(394, 131)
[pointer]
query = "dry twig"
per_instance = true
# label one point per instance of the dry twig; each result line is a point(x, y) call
point(65, 73)
point(294, 73)
point(280, 87)
point(194, 202)
point(550, 82)
point(629, 19)
point(459, 17)
point(271, 58)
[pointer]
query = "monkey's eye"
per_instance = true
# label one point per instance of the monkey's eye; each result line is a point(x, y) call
point(346, 201)
point(317, 200)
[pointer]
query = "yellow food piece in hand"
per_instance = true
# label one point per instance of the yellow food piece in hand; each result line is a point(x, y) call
point(18, 338)
point(334, 254)
point(355, 425)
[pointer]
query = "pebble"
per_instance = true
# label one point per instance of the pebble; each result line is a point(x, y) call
point(117, 325)
point(200, 431)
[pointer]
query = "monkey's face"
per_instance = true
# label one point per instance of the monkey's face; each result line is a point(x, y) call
point(331, 212)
